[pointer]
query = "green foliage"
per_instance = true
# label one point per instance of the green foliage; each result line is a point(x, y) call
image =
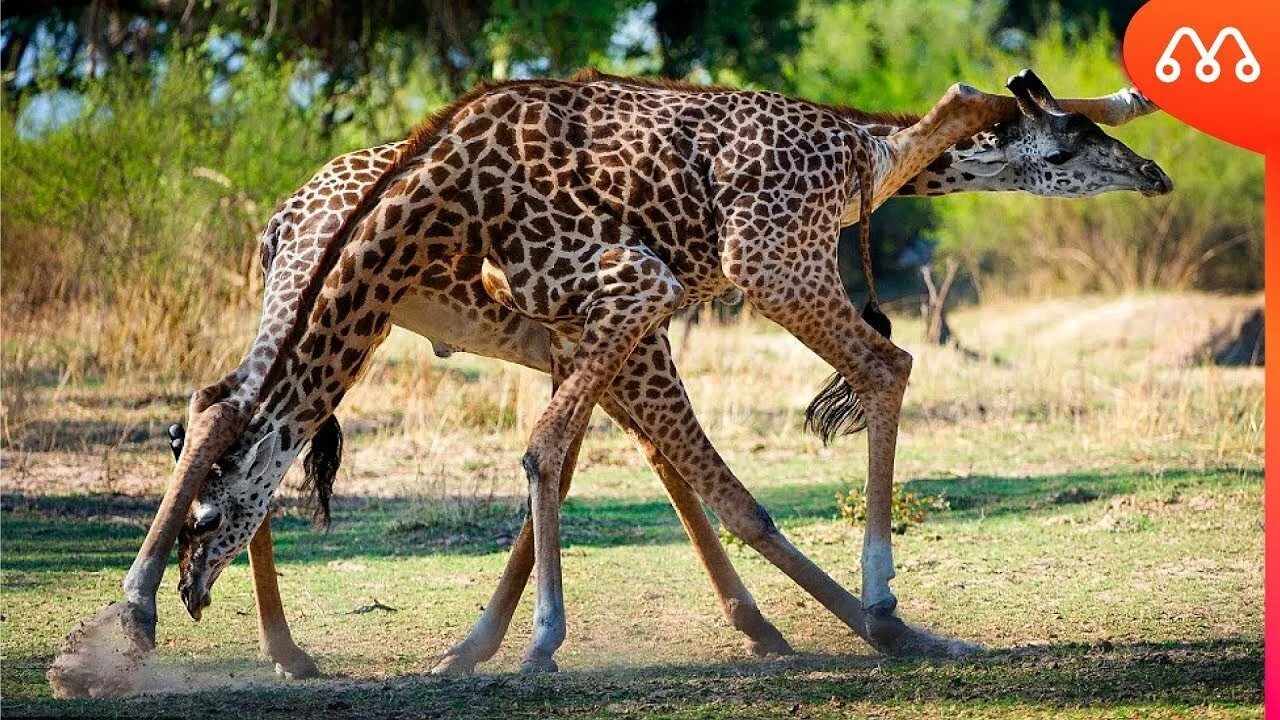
point(733, 41)
point(902, 54)
point(151, 176)
point(893, 54)
point(132, 229)
point(1207, 233)
point(908, 507)
point(554, 36)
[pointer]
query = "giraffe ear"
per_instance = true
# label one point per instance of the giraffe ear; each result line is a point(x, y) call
point(985, 163)
point(1017, 85)
point(1033, 97)
point(263, 452)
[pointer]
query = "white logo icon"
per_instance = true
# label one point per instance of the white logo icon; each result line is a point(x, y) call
point(1207, 68)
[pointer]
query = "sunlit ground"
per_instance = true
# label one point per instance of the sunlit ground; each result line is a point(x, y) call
point(1104, 536)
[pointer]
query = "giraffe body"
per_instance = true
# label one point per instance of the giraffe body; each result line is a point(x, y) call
point(578, 247)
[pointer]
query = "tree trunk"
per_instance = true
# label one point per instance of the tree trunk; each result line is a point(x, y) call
point(933, 307)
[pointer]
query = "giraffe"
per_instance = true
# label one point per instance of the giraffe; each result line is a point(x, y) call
point(626, 265)
point(454, 324)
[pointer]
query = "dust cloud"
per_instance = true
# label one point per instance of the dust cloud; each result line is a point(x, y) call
point(97, 660)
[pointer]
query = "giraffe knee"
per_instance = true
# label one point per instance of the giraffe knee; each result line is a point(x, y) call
point(897, 364)
point(532, 464)
point(901, 362)
point(639, 280)
point(752, 527)
point(667, 291)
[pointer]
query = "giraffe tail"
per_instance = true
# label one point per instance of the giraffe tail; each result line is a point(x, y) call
point(871, 312)
point(837, 409)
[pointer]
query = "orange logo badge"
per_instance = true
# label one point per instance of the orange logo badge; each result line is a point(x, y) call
point(1213, 65)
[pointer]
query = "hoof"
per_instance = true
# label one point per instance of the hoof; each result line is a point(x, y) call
point(455, 665)
point(892, 636)
point(769, 643)
point(294, 664)
point(538, 665)
point(882, 610)
point(139, 624)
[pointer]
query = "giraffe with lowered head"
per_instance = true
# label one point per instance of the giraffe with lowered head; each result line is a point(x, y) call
point(631, 276)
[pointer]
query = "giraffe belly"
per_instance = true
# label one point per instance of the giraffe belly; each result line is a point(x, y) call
point(482, 327)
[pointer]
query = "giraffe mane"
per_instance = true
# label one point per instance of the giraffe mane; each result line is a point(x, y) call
point(855, 115)
point(422, 137)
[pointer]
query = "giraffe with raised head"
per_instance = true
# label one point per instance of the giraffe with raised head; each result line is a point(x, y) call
point(565, 150)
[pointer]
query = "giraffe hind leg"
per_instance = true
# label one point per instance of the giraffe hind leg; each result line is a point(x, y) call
point(646, 372)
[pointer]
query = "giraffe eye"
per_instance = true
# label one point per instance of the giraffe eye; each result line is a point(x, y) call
point(1059, 157)
point(207, 523)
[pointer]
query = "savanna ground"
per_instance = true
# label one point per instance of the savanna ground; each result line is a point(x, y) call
point(1104, 538)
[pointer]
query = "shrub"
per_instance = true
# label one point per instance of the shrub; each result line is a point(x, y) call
point(908, 507)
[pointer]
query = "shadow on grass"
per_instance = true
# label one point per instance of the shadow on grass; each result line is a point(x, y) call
point(93, 532)
point(993, 495)
point(83, 435)
point(1046, 678)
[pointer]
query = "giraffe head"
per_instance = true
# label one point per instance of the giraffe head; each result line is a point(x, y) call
point(1048, 151)
point(234, 498)
point(233, 491)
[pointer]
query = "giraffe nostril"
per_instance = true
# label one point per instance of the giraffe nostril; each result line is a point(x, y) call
point(1152, 171)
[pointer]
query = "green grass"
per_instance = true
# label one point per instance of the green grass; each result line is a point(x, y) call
point(1104, 539)
point(1144, 600)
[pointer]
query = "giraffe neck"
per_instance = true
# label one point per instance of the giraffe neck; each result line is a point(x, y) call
point(972, 165)
point(291, 245)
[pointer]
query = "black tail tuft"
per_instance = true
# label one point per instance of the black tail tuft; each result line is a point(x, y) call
point(321, 468)
point(835, 411)
point(876, 319)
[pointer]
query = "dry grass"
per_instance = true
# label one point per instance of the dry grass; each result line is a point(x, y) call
point(1103, 378)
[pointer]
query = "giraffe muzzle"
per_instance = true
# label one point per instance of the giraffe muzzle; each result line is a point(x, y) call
point(1161, 183)
point(195, 600)
point(194, 591)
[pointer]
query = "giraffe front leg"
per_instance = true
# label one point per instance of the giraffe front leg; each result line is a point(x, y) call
point(486, 636)
point(882, 409)
point(274, 638)
point(635, 291)
point(875, 372)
